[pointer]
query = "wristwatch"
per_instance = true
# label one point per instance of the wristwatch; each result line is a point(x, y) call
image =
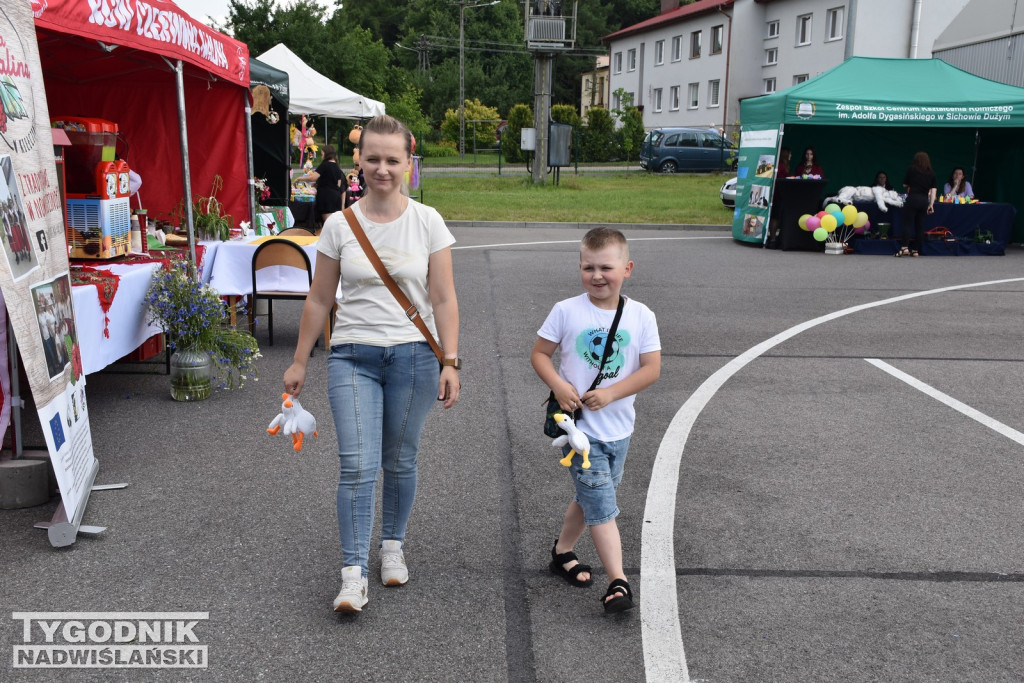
point(452, 362)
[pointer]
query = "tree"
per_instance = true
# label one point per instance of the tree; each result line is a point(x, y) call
point(598, 140)
point(479, 135)
point(631, 131)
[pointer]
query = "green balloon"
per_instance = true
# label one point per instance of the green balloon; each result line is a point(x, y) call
point(821, 234)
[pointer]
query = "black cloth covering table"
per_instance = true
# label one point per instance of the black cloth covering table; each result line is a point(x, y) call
point(963, 220)
point(305, 215)
point(793, 198)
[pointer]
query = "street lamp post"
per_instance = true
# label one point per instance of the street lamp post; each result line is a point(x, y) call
point(462, 71)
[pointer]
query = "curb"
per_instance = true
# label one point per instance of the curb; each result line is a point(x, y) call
point(514, 225)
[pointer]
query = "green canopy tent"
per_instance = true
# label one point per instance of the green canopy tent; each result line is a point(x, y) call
point(872, 114)
point(271, 151)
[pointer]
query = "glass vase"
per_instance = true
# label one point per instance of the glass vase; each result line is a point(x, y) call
point(190, 375)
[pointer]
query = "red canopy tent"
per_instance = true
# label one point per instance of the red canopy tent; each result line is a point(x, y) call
point(163, 78)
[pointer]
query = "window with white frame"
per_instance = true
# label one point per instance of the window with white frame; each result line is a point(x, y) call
point(673, 98)
point(693, 96)
point(631, 60)
point(772, 30)
point(803, 29)
point(771, 56)
point(799, 78)
point(713, 87)
point(677, 48)
point(616, 101)
point(834, 24)
point(656, 99)
point(695, 44)
point(769, 85)
point(716, 39)
point(618, 62)
point(659, 52)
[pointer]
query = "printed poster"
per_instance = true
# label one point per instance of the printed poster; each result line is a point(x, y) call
point(755, 175)
point(34, 274)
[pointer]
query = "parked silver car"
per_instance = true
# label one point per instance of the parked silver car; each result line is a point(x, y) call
point(728, 193)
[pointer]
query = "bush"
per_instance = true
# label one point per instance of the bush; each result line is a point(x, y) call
point(438, 150)
point(598, 141)
point(485, 128)
point(519, 117)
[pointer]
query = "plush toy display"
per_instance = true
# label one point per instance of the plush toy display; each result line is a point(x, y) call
point(296, 421)
point(577, 440)
point(883, 198)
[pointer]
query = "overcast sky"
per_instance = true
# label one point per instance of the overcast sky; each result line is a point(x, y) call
point(218, 9)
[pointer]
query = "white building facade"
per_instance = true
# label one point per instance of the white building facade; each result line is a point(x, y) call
point(691, 65)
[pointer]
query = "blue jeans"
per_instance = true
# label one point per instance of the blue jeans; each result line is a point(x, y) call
point(596, 486)
point(380, 397)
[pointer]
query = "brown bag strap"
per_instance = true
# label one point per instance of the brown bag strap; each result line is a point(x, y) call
point(407, 306)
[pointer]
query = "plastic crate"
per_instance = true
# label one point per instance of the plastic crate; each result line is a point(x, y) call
point(99, 228)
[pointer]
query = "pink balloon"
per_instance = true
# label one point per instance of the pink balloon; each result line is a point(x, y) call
point(813, 223)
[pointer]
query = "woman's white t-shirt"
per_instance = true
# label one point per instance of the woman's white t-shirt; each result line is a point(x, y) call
point(367, 311)
point(581, 329)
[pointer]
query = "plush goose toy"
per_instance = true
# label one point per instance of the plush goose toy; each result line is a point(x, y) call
point(295, 420)
point(577, 440)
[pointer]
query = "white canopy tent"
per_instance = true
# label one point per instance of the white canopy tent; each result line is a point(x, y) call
point(313, 93)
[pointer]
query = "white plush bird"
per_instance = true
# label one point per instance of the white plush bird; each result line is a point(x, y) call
point(295, 420)
point(577, 440)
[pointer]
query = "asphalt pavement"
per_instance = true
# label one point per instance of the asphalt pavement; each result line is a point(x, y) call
point(828, 518)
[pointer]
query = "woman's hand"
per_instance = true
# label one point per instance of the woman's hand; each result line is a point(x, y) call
point(449, 386)
point(294, 378)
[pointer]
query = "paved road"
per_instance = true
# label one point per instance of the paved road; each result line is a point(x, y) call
point(829, 521)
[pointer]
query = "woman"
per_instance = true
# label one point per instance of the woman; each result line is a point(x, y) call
point(809, 164)
point(328, 177)
point(958, 185)
point(785, 157)
point(882, 180)
point(382, 377)
point(920, 184)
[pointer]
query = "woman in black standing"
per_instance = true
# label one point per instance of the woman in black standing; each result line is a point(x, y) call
point(920, 183)
point(328, 177)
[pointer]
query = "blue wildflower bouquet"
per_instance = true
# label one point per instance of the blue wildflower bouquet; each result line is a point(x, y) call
point(192, 316)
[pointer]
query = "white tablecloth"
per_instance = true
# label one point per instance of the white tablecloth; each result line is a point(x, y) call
point(230, 271)
point(128, 328)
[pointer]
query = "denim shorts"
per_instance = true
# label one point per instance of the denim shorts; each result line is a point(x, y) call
point(595, 486)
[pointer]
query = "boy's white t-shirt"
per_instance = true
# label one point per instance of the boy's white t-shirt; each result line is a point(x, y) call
point(580, 329)
point(367, 311)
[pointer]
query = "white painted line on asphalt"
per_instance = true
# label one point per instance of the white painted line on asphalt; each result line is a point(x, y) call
point(664, 657)
point(990, 422)
point(631, 239)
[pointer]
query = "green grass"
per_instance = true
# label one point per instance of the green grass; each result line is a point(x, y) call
point(629, 197)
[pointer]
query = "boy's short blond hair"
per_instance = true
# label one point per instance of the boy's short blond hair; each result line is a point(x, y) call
point(599, 238)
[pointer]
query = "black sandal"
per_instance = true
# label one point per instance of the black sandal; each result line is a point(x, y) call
point(902, 252)
point(621, 597)
point(570, 575)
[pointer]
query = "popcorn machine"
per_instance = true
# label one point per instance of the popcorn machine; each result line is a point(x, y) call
point(98, 213)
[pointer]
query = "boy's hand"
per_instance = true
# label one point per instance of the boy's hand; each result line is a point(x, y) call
point(567, 398)
point(597, 399)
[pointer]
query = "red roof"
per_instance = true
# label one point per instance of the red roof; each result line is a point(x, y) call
point(671, 17)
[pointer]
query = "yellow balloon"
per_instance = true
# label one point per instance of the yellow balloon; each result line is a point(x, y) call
point(802, 221)
point(850, 214)
point(829, 222)
point(861, 220)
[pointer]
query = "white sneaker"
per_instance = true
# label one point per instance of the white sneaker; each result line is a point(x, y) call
point(352, 597)
point(393, 571)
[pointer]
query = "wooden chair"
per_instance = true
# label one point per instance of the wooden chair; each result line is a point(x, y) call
point(278, 252)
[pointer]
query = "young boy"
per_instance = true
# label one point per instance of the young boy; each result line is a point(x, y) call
point(578, 328)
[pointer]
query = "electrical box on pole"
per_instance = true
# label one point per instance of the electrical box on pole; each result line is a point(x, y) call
point(549, 28)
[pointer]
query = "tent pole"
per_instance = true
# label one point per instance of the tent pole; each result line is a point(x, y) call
point(186, 182)
point(248, 158)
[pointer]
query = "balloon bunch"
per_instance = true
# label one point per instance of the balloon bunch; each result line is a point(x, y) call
point(846, 221)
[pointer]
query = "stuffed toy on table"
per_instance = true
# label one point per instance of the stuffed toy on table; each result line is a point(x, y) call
point(577, 440)
point(295, 421)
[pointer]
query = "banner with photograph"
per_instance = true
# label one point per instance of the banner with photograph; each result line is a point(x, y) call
point(34, 274)
point(755, 173)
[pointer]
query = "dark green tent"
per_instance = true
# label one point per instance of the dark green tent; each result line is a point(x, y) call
point(270, 144)
point(871, 114)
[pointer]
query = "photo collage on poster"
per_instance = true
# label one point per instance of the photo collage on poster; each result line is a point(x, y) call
point(755, 175)
point(17, 242)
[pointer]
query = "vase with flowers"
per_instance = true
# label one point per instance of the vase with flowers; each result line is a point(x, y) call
point(193, 318)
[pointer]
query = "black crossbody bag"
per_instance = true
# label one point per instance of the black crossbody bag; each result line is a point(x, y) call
point(551, 405)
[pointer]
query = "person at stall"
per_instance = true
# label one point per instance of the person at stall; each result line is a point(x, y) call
point(958, 185)
point(785, 158)
point(919, 181)
point(809, 164)
point(328, 177)
point(882, 180)
point(382, 377)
